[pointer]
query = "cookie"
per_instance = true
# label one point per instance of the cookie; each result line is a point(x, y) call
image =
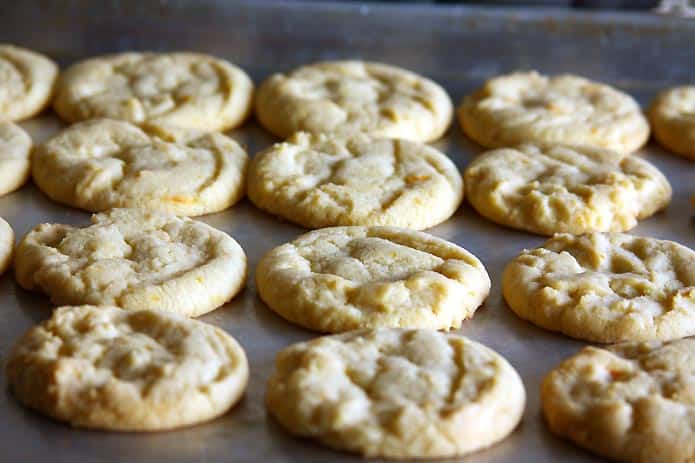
point(396, 393)
point(189, 90)
point(6, 245)
point(632, 402)
point(15, 152)
point(134, 259)
point(323, 180)
point(672, 115)
point(565, 190)
point(345, 97)
point(104, 163)
point(605, 287)
point(344, 278)
point(526, 107)
point(26, 82)
point(140, 370)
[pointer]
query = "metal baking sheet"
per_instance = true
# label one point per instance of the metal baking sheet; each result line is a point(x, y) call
point(458, 47)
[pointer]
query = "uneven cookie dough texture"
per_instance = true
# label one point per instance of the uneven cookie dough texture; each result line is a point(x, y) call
point(354, 96)
point(322, 180)
point(105, 163)
point(344, 278)
point(141, 370)
point(134, 259)
point(563, 189)
point(526, 107)
point(190, 90)
point(6, 245)
point(15, 152)
point(605, 287)
point(396, 393)
point(26, 82)
point(672, 115)
point(632, 402)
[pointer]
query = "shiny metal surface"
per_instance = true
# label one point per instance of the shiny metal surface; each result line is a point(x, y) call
point(456, 46)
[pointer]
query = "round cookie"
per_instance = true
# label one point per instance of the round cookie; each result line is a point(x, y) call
point(26, 82)
point(565, 190)
point(6, 245)
point(396, 393)
point(354, 96)
point(344, 278)
point(15, 152)
point(605, 287)
point(189, 90)
point(631, 402)
point(105, 163)
point(526, 107)
point(322, 180)
point(672, 115)
point(134, 259)
point(140, 370)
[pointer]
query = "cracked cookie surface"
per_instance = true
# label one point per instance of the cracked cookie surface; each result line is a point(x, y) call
point(134, 259)
point(15, 157)
point(396, 393)
point(672, 115)
point(605, 287)
point(6, 245)
point(344, 278)
point(26, 82)
point(140, 370)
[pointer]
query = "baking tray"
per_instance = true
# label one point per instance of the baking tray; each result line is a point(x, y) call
point(458, 47)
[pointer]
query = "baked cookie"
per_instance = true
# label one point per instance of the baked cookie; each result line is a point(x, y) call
point(6, 245)
point(141, 370)
point(396, 393)
point(672, 114)
point(105, 163)
point(134, 259)
point(322, 180)
point(354, 96)
point(526, 107)
point(15, 152)
point(343, 278)
point(190, 90)
point(563, 189)
point(26, 82)
point(631, 402)
point(605, 287)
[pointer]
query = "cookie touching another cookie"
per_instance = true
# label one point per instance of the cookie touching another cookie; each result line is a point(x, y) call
point(672, 115)
point(15, 157)
point(396, 393)
point(6, 245)
point(136, 370)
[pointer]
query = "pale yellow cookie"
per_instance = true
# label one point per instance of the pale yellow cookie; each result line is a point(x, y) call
point(672, 115)
point(354, 96)
point(190, 90)
point(26, 82)
point(135, 259)
point(396, 393)
point(6, 245)
point(323, 180)
point(631, 402)
point(605, 287)
point(343, 278)
point(526, 107)
point(105, 163)
point(141, 370)
point(15, 152)
point(565, 190)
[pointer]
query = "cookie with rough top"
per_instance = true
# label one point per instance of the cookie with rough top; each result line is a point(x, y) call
point(26, 82)
point(6, 245)
point(631, 402)
point(104, 163)
point(605, 287)
point(346, 97)
point(191, 90)
point(565, 190)
point(527, 107)
point(134, 259)
point(396, 393)
point(141, 370)
point(672, 115)
point(323, 180)
point(344, 278)
point(15, 153)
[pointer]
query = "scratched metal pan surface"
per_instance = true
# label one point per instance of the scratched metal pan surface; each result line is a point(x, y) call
point(459, 47)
